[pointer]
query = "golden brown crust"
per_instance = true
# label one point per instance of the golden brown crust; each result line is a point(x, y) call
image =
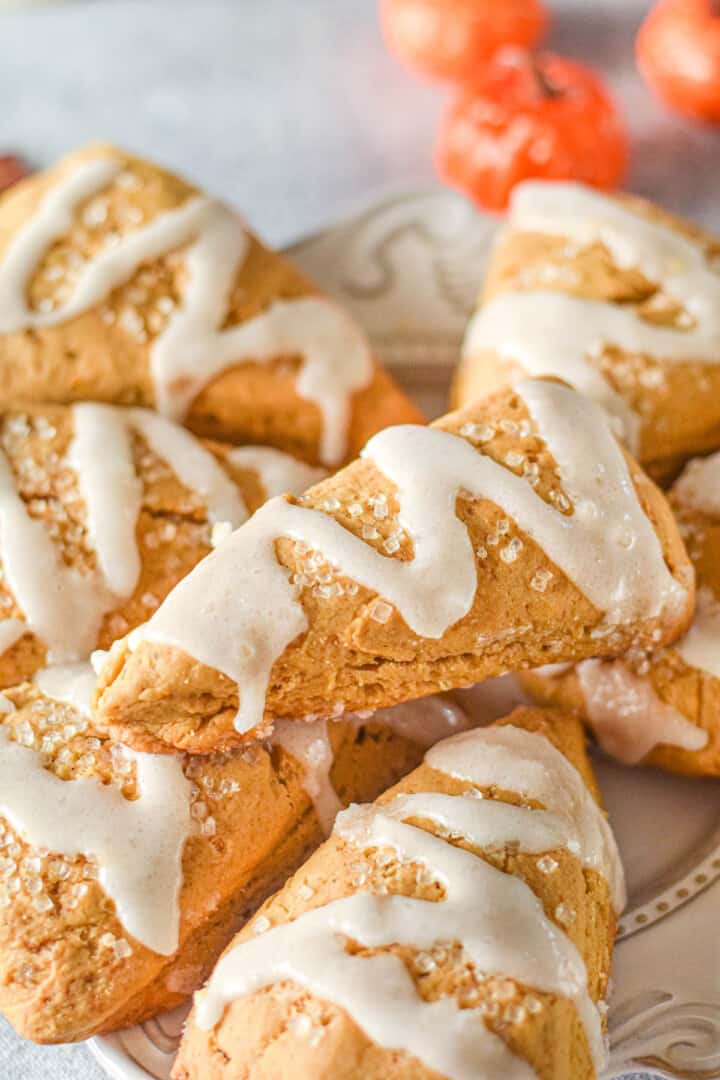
point(694, 693)
point(157, 696)
point(103, 354)
point(677, 402)
point(173, 530)
point(261, 1034)
point(60, 979)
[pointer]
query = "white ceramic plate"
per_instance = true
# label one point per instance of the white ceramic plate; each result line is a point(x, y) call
point(410, 268)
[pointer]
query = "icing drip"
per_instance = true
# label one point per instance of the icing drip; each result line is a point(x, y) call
point(525, 762)
point(138, 843)
point(495, 916)
point(65, 606)
point(697, 489)
point(238, 611)
point(701, 645)
point(553, 333)
point(195, 467)
point(279, 473)
point(549, 333)
point(628, 718)
point(193, 348)
point(72, 684)
point(309, 744)
point(11, 630)
point(698, 486)
point(423, 722)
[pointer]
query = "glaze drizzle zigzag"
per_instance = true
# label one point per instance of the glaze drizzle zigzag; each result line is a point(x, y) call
point(193, 348)
point(64, 605)
point(238, 611)
point(553, 333)
point(495, 916)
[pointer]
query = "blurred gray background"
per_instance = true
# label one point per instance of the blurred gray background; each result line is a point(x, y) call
point(292, 110)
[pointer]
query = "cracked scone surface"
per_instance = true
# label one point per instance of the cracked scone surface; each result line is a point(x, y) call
point(104, 353)
point(284, 1027)
point(525, 611)
point(69, 968)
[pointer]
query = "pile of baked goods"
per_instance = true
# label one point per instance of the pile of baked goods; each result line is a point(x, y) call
point(231, 553)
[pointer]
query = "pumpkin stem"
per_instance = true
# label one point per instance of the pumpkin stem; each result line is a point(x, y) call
point(546, 86)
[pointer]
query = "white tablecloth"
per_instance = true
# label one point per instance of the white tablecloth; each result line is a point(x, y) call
point(294, 112)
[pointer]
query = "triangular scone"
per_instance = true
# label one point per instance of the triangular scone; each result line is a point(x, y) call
point(123, 876)
point(121, 283)
point(459, 927)
point(103, 509)
point(661, 705)
point(505, 535)
point(617, 297)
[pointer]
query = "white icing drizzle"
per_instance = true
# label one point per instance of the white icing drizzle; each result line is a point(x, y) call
point(698, 489)
point(627, 716)
point(62, 605)
point(27, 247)
point(237, 611)
point(495, 916)
point(499, 824)
point(193, 348)
point(65, 606)
point(279, 473)
point(701, 645)
point(698, 486)
point(553, 333)
point(309, 743)
point(138, 843)
point(423, 722)
point(526, 762)
point(11, 630)
point(195, 467)
point(101, 456)
point(72, 684)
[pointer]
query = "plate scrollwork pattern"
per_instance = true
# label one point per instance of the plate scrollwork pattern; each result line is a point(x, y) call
point(672, 1038)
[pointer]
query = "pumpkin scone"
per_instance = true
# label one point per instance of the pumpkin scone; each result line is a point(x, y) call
point(617, 297)
point(122, 283)
point(459, 928)
point(123, 875)
point(661, 706)
point(512, 533)
point(102, 511)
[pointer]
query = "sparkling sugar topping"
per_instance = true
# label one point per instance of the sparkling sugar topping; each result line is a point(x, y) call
point(494, 918)
point(191, 347)
point(549, 332)
point(132, 845)
point(65, 605)
point(607, 546)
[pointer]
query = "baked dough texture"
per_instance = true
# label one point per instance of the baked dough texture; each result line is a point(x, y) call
point(173, 529)
point(668, 677)
point(103, 353)
point(68, 967)
point(675, 403)
point(284, 1029)
point(526, 611)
